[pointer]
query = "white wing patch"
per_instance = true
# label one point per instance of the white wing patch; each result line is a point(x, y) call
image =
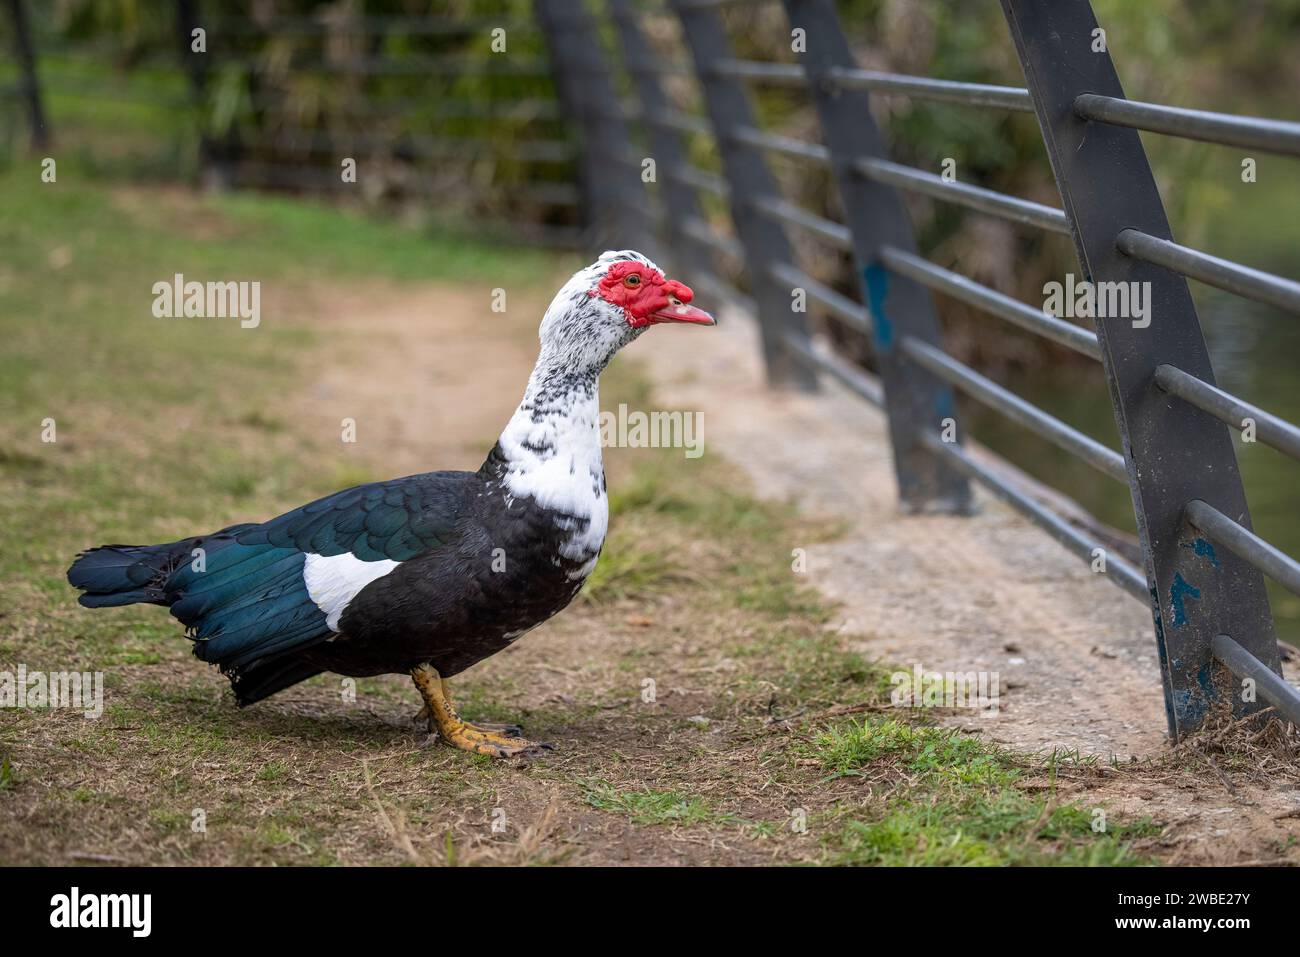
point(333, 581)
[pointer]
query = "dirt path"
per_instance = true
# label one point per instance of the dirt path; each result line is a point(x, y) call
point(429, 374)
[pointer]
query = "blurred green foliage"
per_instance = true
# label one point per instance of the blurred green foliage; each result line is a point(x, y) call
point(292, 86)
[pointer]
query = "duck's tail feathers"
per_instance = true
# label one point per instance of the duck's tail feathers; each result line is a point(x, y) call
point(127, 574)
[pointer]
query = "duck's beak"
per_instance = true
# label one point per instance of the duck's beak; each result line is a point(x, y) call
point(678, 311)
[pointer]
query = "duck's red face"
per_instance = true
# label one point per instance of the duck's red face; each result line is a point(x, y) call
point(646, 297)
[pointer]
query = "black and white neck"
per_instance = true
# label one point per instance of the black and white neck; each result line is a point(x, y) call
point(550, 448)
point(549, 451)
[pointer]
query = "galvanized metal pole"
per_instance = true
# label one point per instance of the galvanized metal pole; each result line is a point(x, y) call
point(616, 209)
point(25, 51)
point(916, 401)
point(680, 202)
point(750, 181)
point(1174, 452)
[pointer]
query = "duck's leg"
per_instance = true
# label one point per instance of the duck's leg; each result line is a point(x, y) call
point(458, 732)
point(513, 730)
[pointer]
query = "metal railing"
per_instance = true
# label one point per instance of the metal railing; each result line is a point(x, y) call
point(1202, 566)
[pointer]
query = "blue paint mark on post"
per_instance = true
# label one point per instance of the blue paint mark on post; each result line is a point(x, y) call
point(1185, 706)
point(943, 405)
point(1206, 550)
point(1205, 678)
point(1177, 592)
point(876, 278)
point(1192, 707)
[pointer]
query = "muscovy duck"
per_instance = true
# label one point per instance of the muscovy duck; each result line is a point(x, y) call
point(428, 574)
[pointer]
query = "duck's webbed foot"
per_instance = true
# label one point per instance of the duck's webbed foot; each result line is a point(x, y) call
point(499, 741)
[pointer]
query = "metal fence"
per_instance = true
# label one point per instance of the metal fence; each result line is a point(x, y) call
point(1202, 566)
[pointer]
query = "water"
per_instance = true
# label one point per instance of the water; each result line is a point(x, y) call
point(1255, 350)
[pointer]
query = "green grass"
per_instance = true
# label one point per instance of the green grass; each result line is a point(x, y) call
point(963, 804)
point(1005, 829)
point(644, 806)
point(937, 753)
point(631, 570)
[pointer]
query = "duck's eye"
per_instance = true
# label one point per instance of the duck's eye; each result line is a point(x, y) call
point(631, 280)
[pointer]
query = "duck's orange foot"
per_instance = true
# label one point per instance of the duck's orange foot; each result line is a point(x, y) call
point(470, 737)
point(498, 741)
